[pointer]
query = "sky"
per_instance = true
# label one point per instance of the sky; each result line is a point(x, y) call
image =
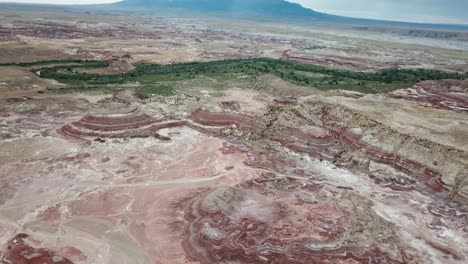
point(423, 11)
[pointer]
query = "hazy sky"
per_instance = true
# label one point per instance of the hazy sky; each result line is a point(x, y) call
point(70, 2)
point(435, 11)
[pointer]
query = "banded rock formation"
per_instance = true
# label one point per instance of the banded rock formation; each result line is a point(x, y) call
point(209, 118)
point(298, 224)
point(447, 94)
point(131, 124)
point(349, 140)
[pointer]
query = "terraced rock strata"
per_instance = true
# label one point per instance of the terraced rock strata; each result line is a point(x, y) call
point(132, 124)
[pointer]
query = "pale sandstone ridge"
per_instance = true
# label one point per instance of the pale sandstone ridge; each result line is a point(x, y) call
point(447, 94)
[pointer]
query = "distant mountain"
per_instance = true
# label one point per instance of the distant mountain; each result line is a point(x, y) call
point(278, 9)
point(266, 9)
point(270, 10)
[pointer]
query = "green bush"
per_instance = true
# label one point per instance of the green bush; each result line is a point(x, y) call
point(149, 74)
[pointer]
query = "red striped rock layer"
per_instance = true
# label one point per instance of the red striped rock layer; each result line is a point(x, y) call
point(313, 140)
point(429, 176)
point(449, 94)
point(324, 137)
point(453, 213)
point(133, 124)
point(254, 225)
point(19, 252)
point(209, 118)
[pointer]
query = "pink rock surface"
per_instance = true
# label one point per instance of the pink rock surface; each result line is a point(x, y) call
point(272, 190)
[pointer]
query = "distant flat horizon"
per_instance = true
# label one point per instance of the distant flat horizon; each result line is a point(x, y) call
point(413, 11)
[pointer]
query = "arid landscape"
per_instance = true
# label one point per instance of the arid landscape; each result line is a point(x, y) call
point(138, 139)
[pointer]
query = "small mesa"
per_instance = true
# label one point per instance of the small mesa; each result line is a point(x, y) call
point(131, 124)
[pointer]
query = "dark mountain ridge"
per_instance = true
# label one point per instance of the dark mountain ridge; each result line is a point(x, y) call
point(235, 8)
point(267, 10)
point(260, 10)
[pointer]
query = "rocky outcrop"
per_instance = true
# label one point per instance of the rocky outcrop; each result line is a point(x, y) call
point(120, 64)
point(230, 105)
point(19, 252)
point(447, 94)
point(210, 118)
point(350, 140)
point(288, 100)
point(133, 124)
